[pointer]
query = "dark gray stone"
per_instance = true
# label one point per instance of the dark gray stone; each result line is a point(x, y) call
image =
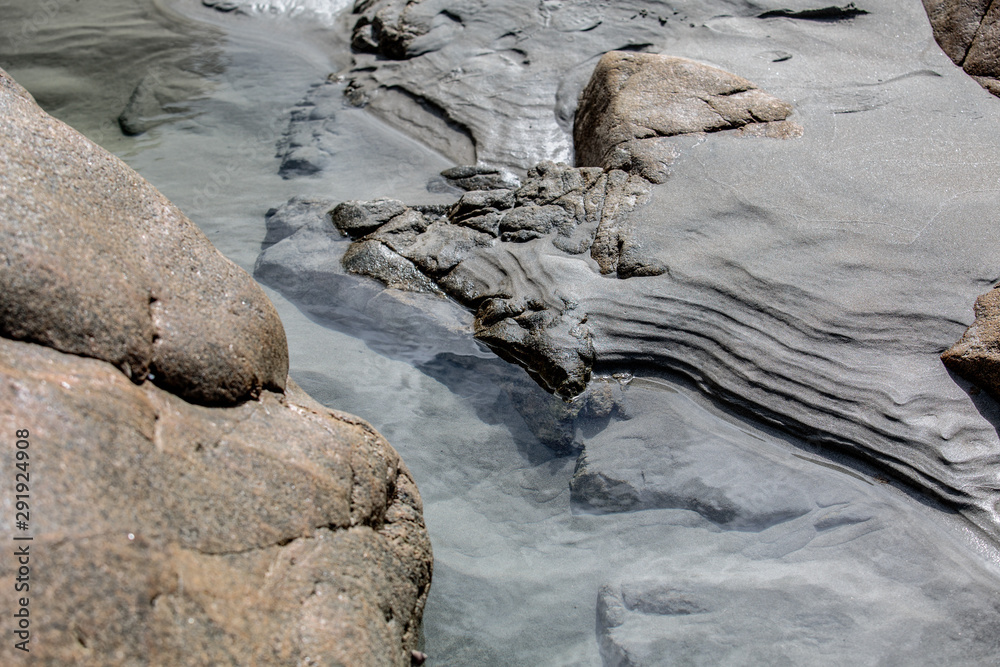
point(481, 177)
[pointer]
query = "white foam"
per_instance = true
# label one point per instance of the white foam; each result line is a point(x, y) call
point(322, 10)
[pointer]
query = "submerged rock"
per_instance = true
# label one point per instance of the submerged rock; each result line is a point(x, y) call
point(159, 98)
point(468, 253)
point(310, 142)
point(259, 527)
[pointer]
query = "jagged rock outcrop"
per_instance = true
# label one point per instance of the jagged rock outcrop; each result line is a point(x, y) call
point(188, 503)
point(310, 261)
point(577, 210)
point(969, 32)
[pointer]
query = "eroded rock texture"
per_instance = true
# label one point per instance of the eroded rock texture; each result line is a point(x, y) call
point(580, 211)
point(471, 252)
point(969, 32)
point(478, 81)
point(214, 514)
point(810, 283)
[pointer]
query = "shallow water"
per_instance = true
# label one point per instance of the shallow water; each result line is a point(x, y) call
point(519, 562)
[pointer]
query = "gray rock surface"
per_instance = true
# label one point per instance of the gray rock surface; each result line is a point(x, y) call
point(574, 209)
point(723, 477)
point(310, 141)
point(303, 257)
point(259, 528)
point(480, 81)
point(411, 320)
point(790, 597)
point(811, 283)
point(481, 177)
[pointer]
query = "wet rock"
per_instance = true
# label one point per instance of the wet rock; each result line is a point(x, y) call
point(831, 13)
point(558, 183)
point(388, 29)
point(584, 207)
point(356, 219)
point(477, 202)
point(555, 346)
point(443, 247)
point(372, 258)
point(615, 236)
point(481, 177)
point(298, 212)
point(224, 6)
point(638, 96)
point(530, 222)
point(307, 267)
point(562, 425)
point(626, 469)
point(100, 264)
point(159, 98)
point(444, 73)
point(310, 142)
